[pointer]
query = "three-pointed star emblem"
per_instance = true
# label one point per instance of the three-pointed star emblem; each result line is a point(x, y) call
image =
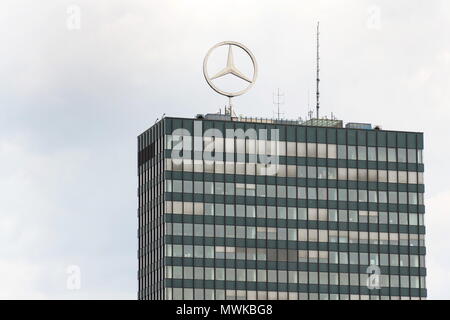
point(231, 68)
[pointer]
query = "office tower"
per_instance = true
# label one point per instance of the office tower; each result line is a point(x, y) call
point(247, 208)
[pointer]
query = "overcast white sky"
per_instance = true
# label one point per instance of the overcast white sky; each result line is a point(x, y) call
point(73, 101)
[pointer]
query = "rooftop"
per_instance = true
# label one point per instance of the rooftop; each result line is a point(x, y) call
point(313, 122)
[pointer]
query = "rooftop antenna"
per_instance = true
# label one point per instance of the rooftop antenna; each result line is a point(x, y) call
point(279, 100)
point(309, 100)
point(317, 72)
point(230, 108)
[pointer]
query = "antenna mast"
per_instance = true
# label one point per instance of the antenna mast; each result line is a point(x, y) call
point(317, 73)
point(278, 101)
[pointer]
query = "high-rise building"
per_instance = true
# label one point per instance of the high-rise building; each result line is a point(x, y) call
point(246, 208)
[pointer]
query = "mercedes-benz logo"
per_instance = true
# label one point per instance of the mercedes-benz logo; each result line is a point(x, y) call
point(230, 68)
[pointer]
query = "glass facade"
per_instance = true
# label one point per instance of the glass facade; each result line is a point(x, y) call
point(341, 217)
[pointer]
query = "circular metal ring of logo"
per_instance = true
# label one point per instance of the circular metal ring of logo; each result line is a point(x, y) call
point(230, 69)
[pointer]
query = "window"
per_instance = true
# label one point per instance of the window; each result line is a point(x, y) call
point(220, 231)
point(342, 152)
point(219, 167)
point(291, 152)
point(312, 172)
point(402, 197)
point(372, 175)
point(414, 260)
point(332, 194)
point(281, 213)
point(321, 150)
point(209, 187)
point(271, 191)
point(229, 231)
point(240, 189)
point(362, 153)
point(332, 151)
point(412, 155)
point(312, 193)
point(362, 194)
point(332, 173)
point(373, 196)
point(302, 234)
point(302, 213)
point(177, 229)
point(229, 210)
point(251, 188)
point(342, 173)
point(353, 216)
point(251, 212)
point(198, 187)
point(261, 211)
point(412, 196)
point(209, 209)
point(352, 153)
point(209, 252)
point(251, 275)
point(312, 214)
point(362, 174)
point(301, 192)
point(303, 277)
point(209, 230)
point(229, 167)
point(272, 275)
point(271, 212)
point(353, 258)
point(372, 156)
point(168, 185)
point(352, 195)
point(363, 217)
point(392, 155)
point(188, 251)
point(219, 188)
point(401, 155)
point(301, 171)
point(382, 196)
point(261, 190)
point(292, 192)
point(209, 273)
point(292, 234)
point(291, 171)
point(352, 174)
point(383, 217)
point(343, 257)
point(281, 190)
point(419, 156)
point(323, 236)
point(313, 277)
point(393, 218)
point(412, 177)
point(333, 257)
point(381, 154)
point(301, 149)
point(312, 150)
point(392, 176)
point(251, 232)
point(322, 193)
point(292, 213)
point(342, 194)
point(177, 185)
point(321, 172)
point(240, 232)
point(404, 281)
